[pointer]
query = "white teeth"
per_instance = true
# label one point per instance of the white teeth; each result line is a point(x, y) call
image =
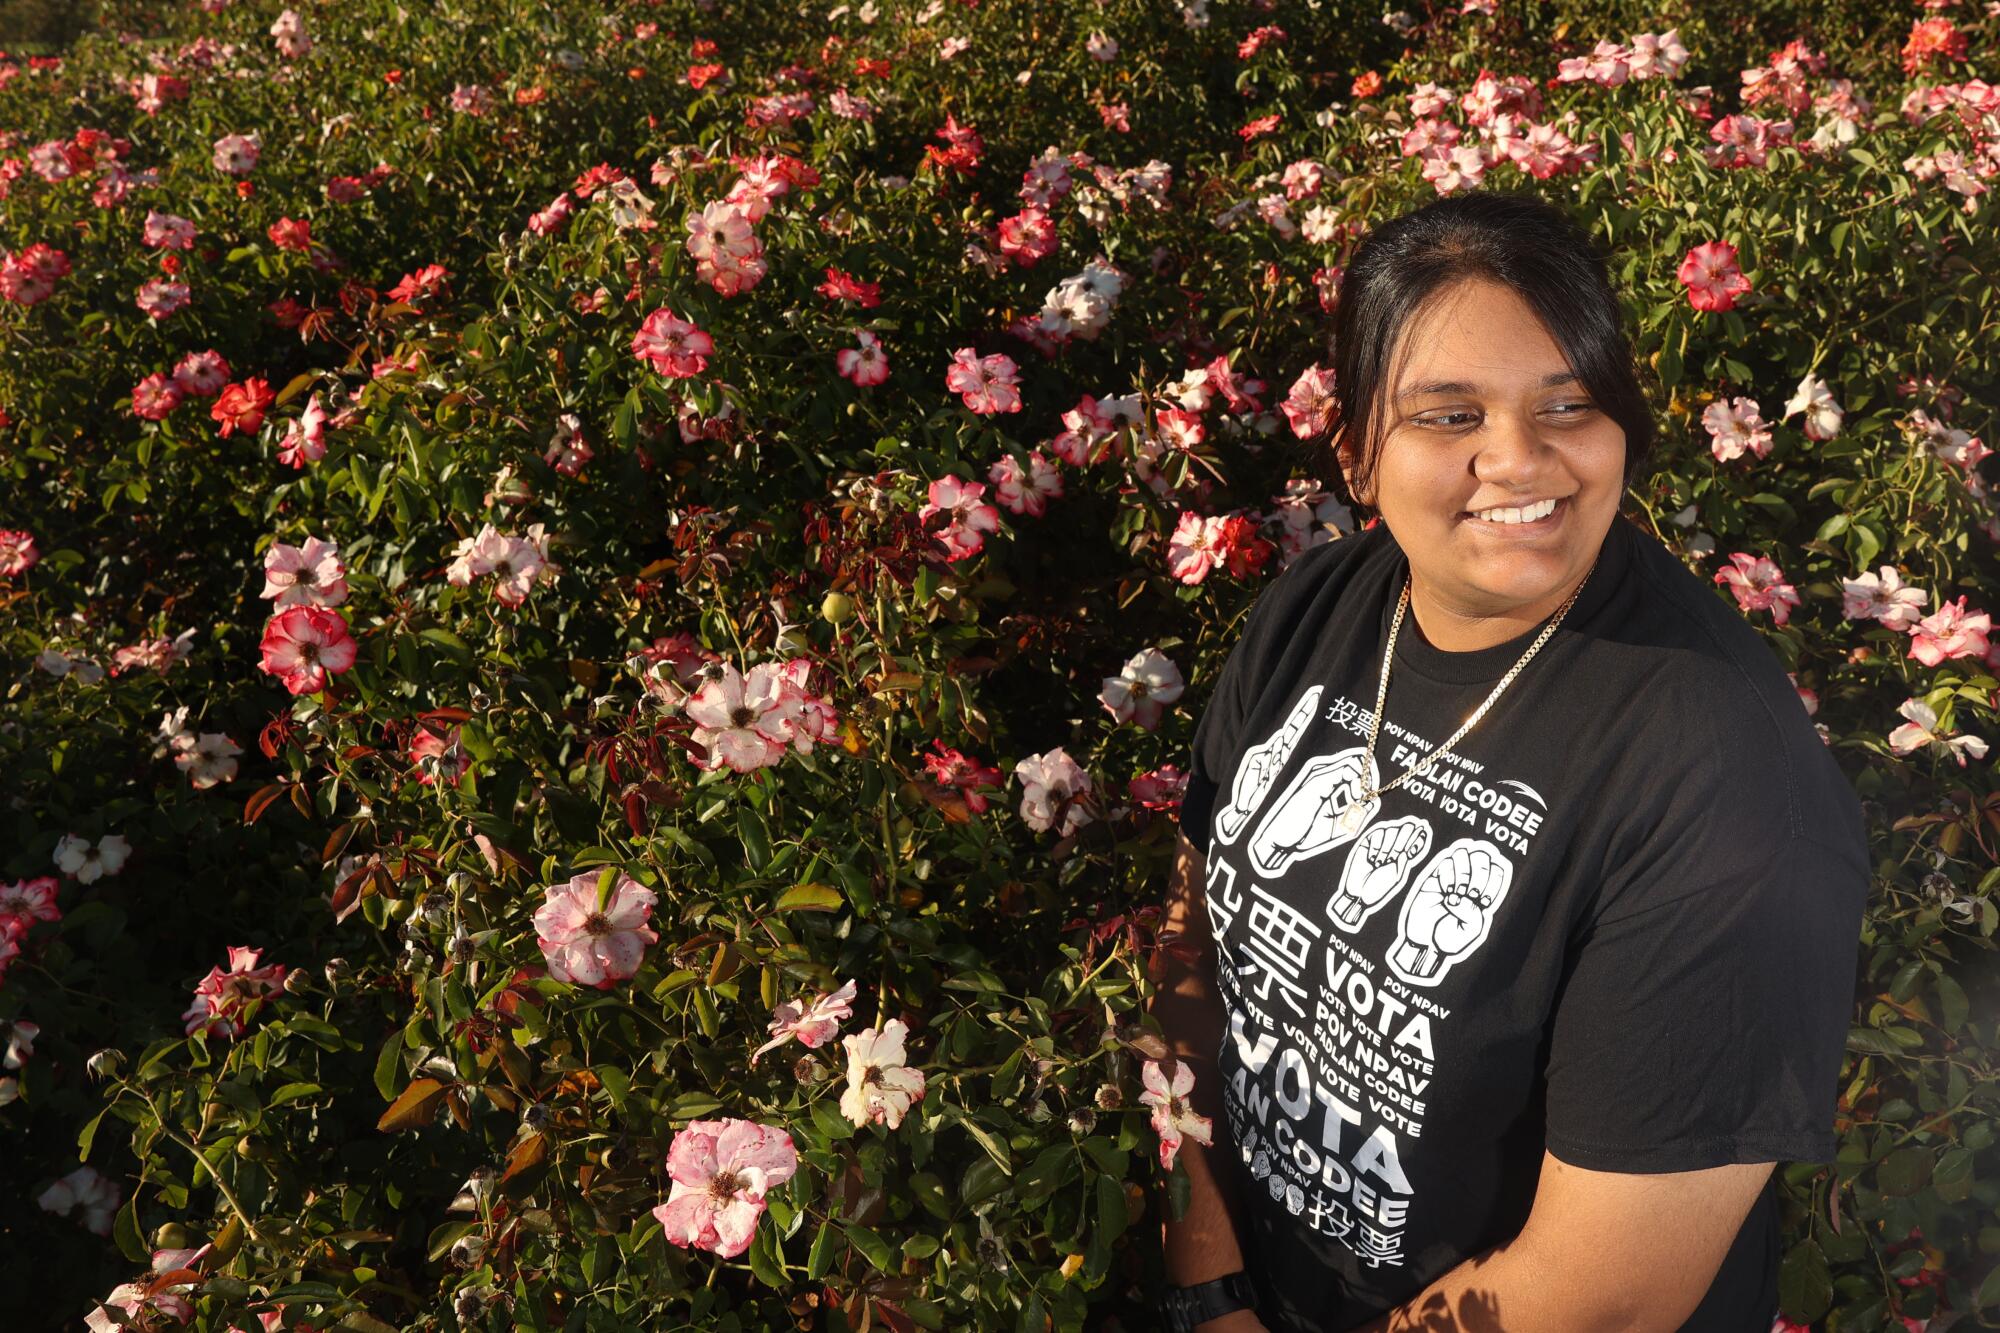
point(1531, 514)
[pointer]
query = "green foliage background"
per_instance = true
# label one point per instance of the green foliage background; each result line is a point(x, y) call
point(1014, 1197)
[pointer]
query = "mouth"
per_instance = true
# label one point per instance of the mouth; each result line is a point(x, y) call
point(1547, 523)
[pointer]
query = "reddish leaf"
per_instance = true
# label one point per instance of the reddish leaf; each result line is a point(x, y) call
point(415, 1107)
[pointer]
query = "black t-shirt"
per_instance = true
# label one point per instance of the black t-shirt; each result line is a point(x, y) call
point(1619, 922)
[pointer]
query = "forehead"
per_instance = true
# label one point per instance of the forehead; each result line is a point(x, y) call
point(1476, 331)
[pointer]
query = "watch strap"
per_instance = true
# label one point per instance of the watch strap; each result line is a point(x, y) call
point(1187, 1307)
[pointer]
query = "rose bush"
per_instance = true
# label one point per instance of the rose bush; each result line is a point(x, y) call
point(574, 544)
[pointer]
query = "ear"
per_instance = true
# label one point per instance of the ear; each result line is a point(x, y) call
point(1344, 459)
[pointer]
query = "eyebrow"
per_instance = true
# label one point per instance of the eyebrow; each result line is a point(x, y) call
point(1456, 386)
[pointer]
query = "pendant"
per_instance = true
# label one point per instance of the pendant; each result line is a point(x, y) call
point(1349, 821)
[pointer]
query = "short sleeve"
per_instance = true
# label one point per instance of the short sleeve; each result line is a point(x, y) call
point(1705, 1026)
point(1217, 732)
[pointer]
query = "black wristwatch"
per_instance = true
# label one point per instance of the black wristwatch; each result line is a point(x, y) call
point(1185, 1307)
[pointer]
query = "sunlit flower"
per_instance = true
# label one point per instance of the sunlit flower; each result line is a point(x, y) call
point(309, 575)
point(1922, 730)
point(303, 645)
point(813, 1022)
point(1759, 585)
point(721, 1171)
point(225, 999)
point(1142, 690)
point(881, 1087)
point(592, 946)
point(1710, 274)
point(1173, 1117)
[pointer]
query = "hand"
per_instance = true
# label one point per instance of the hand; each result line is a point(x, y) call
point(1447, 915)
point(1236, 1321)
point(1376, 869)
point(1302, 824)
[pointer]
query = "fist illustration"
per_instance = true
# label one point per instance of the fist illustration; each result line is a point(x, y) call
point(1260, 768)
point(1447, 915)
point(1377, 867)
point(1302, 823)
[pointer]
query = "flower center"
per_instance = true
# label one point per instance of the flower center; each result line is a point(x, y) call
point(724, 1186)
point(596, 924)
point(743, 717)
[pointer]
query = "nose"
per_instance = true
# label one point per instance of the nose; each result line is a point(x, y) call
point(1512, 454)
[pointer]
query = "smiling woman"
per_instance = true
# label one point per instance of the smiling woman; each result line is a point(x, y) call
point(1526, 929)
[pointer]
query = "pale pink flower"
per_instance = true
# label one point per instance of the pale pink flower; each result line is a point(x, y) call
point(987, 384)
point(30, 900)
point(1458, 168)
point(167, 231)
point(674, 347)
point(1736, 427)
point(471, 99)
point(86, 1192)
point(225, 999)
point(1025, 491)
point(20, 1045)
point(1302, 179)
point(965, 531)
point(1195, 547)
point(18, 554)
point(309, 575)
point(289, 32)
point(744, 722)
point(303, 645)
point(1141, 691)
point(721, 1171)
point(1173, 1117)
point(237, 154)
point(209, 760)
point(1922, 730)
point(90, 861)
point(159, 297)
point(589, 946)
point(1054, 788)
point(154, 397)
point(1950, 631)
point(881, 1087)
point(305, 438)
point(813, 1022)
point(1882, 597)
point(720, 234)
point(865, 365)
point(202, 374)
point(1759, 585)
point(1823, 415)
point(1310, 406)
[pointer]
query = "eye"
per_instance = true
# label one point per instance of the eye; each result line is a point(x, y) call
point(1449, 420)
point(1575, 409)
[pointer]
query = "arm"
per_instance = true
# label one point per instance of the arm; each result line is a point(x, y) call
point(1202, 1244)
point(1602, 1250)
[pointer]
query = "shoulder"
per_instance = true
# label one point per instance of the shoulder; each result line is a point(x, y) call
point(1316, 575)
point(1717, 699)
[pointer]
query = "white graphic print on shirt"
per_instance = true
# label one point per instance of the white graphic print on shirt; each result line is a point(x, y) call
point(1332, 1071)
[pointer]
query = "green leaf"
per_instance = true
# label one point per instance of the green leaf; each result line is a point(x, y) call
point(871, 1247)
point(1904, 1171)
point(810, 898)
point(820, 1257)
point(1110, 1206)
point(389, 1065)
point(1805, 1288)
point(456, 648)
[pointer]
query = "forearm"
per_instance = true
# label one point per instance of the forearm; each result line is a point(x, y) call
point(1512, 1288)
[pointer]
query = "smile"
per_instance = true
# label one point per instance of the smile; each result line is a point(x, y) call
point(1537, 518)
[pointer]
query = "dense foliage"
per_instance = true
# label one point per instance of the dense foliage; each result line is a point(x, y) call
point(546, 547)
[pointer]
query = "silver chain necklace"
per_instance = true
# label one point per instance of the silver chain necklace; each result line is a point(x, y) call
point(1355, 812)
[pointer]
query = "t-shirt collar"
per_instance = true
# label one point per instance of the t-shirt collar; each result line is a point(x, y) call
point(1489, 664)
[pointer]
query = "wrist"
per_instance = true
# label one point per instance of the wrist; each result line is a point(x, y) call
point(1202, 1306)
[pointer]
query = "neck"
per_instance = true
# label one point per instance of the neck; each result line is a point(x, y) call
point(1455, 630)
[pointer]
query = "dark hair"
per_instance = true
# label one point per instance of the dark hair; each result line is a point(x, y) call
point(1519, 240)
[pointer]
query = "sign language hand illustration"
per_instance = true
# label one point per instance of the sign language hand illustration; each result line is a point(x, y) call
point(1302, 823)
point(1377, 867)
point(1260, 767)
point(1448, 914)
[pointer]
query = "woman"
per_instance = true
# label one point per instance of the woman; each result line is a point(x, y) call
point(1518, 899)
